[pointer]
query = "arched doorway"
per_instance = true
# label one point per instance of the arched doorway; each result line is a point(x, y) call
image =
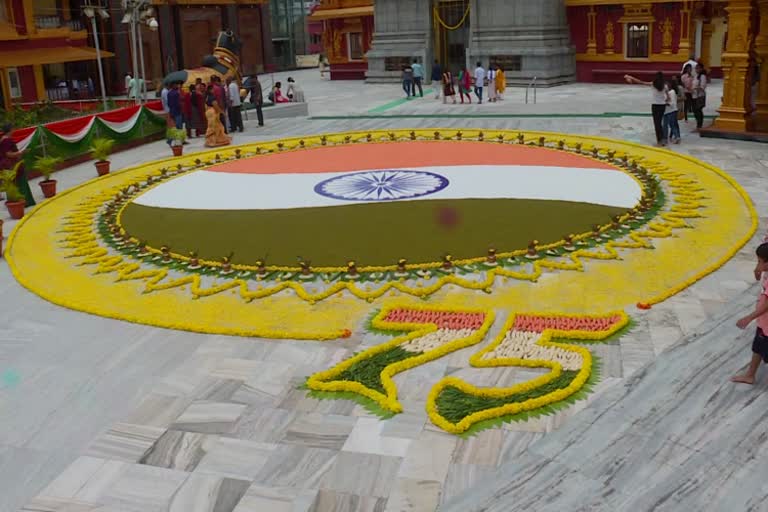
point(450, 25)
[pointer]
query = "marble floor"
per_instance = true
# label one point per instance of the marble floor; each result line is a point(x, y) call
point(98, 415)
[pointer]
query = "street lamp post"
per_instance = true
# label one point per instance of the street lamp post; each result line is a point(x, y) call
point(90, 11)
point(137, 11)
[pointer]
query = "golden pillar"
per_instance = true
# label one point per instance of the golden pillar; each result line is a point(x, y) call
point(706, 43)
point(736, 110)
point(684, 47)
point(591, 31)
point(761, 55)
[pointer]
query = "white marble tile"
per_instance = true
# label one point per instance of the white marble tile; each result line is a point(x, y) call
point(410, 495)
point(429, 457)
point(260, 498)
point(209, 417)
point(234, 458)
point(367, 437)
point(125, 442)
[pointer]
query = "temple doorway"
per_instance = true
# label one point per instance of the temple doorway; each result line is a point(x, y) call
point(450, 22)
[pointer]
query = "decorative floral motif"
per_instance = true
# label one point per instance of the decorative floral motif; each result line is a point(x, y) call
point(527, 340)
point(381, 185)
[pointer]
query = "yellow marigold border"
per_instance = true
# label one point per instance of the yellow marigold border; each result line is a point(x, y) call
point(323, 381)
point(686, 205)
point(534, 403)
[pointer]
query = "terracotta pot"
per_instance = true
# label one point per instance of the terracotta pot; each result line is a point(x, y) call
point(48, 187)
point(102, 167)
point(15, 208)
point(177, 150)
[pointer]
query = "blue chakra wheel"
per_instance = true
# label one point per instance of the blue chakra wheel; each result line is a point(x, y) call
point(384, 185)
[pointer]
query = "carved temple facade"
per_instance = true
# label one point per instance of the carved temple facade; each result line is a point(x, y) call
point(641, 37)
point(346, 36)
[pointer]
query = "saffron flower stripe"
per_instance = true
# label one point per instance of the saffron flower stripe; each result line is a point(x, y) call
point(616, 321)
point(417, 327)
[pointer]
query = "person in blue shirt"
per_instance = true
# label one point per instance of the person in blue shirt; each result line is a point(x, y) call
point(437, 78)
point(174, 107)
point(418, 77)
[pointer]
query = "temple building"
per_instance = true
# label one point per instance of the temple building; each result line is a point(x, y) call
point(641, 37)
point(44, 52)
point(347, 34)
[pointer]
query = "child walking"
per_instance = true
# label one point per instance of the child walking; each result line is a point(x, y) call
point(760, 343)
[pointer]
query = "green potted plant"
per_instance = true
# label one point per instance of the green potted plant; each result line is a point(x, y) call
point(45, 165)
point(177, 136)
point(100, 151)
point(14, 199)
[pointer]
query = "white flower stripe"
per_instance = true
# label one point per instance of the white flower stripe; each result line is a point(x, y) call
point(123, 126)
point(77, 136)
point(522, 345)
point(435, 340)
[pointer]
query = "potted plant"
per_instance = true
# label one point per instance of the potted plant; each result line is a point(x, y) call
point(14, 198)
point(177, 136)
point(45, 165)
point(100, 151)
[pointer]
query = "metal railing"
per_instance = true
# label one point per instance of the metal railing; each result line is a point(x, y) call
point(532, 83)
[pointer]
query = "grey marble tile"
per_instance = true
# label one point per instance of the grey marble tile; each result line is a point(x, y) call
point(332, 501)
point(345, 474)
point(208, 493)
point(235, 458)
point(140, 488)
point(179, 450)
point(429, 457)
point(409, 495)
point(209, 417)
point(483, 449)
point(48, 504)
point(158, 410)
point(296, 466)
point(263, 424)
point(260, 498)
point(319, 430)
point(125, 442)
point(367, 437)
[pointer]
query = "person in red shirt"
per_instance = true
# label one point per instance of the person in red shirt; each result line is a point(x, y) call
point(221, 99)
point(186, 110)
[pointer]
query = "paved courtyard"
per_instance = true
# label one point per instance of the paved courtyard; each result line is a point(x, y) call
point(110, 416)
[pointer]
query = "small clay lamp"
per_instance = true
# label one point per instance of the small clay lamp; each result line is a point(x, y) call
point(616, 224)
point(323, 140)
point(480, 136)
point(437, 135)
point(447, 262)
point(459, 135)
point(569, 243)
point(611, 154)
point(301, 143)
point(542, 141)
point(352, 269)
point(164, 172)
point(348, 139)
point(261, 267)
point(166, 252)
point(194, 261)
point(520, 138)
point(280, 146)
point(306, 270)
point(239, 153)
point(491, 258)
point(578, 147)
point(368, 137)
point(595, 152)
point(226, 265)
point(561, 144)
point(198, 162)
point(401, 266)
point(533, 252)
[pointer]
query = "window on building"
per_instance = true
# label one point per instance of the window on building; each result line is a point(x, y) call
point(355, 40)
point(638, 40)
point(14, 83)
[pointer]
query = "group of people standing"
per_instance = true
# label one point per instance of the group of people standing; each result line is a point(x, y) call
point(212, 109)
point(672, 100)
point(492, 80)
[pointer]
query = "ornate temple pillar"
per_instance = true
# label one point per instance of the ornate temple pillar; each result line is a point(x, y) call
point(684, 48)
point(761, 54)
point(706, 43)
point(591, 31)
point(736, 110)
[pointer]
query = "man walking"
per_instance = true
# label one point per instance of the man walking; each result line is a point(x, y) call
point(408, 81)
point(418, 77)
point(257, 98)
point(437, 78)
point(479, 81)
point(235, 111)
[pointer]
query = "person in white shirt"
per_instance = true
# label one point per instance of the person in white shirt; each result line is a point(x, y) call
point(235, 113)
point(700, 83)
point(491, 84)
point(479, 81)
point(128, 79)
point(692, 61)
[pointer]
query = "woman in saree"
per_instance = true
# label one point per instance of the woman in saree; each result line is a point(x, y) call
point(214, 135)
point(9, 157)
point(465, 84)
point(501, 83)
point(448, 90)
